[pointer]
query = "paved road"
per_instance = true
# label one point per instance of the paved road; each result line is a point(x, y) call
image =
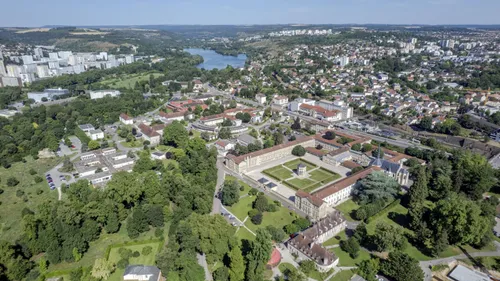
point(425, 265)
point(203, 262)
point(220, 182)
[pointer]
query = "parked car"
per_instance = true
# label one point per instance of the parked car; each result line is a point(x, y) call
point(47, 175)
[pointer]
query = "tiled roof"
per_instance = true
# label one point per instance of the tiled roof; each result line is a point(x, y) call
point(148, 131)
point(316, 201)
point(337, 186)
point(298, 141)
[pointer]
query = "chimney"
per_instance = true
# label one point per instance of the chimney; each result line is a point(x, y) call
point(311, 245)
point(325, 261)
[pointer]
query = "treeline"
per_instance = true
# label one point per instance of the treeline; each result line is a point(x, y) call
point(43, 127)
point(487, 78)
point(62, 230)
point(8, 95)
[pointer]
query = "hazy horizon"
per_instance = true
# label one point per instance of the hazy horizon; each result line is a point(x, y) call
point(29, 13)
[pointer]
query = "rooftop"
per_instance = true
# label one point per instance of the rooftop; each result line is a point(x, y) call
point(337, 186)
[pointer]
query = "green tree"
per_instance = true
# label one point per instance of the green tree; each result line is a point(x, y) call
point(236, 265)
point(417, 196)
point(12, 181)
point(426, 123)
point(221, 274)
point(224, 133)
point(277, 234)
point(296, 124)
point(137, 224)
point(93, 145)
point(368, 269)
point(388, 237)
point(259, 255)
point(330, 135)
point(175, 135)
point(112, 223)
point(376, 186)
point(307, 266)
point(366, 147)
point(102, 269)
point(350, 246)
point(299, 151)
point(230, 192)
point(261, 203)
point(402, 267)
point(473, 174)
point(356, 147)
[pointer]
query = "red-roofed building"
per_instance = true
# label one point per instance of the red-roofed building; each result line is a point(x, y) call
point(150, 134)
point(181, 106)
point(125, 119)
point(169, 117)
point(320, 113)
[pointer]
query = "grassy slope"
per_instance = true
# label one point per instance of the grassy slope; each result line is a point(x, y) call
point(11, 206)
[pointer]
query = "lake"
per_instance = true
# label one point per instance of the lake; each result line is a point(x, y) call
point(213, 60)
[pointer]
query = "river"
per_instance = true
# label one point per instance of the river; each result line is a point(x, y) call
point(213, 60)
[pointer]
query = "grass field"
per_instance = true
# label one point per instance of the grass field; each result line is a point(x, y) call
point(346, 260)
point(300, 183)
point(114, 256)
point(243, 233)
point(12, 202)
point(323, 175)
point(128, 81)
point(240, 209)
point(279, 173)
point(246, 187)
point(292, 165)
point(279, 218)
point(347, 208)
point(344, 275)
point(334, 240)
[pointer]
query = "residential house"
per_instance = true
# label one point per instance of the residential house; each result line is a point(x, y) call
point(96, 134)
point(280, 100)
point(260, 98)
point(125, 119)
point(150, 134)
point(142, 273)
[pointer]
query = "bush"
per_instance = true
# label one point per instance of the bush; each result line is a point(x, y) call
point(19, 193)
point(253, 212)
point(32, 172)
point(299, 151)
point(147, 250)
point(136, 254)
point(242, 188)
point(125, 253)
point(38, 179)
point(253, 191)
point(272, 208)
point(159, 232)
point(122, 264)
point(12, 181)
point(257, 219)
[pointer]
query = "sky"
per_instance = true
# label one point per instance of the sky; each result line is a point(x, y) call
point(35, 13)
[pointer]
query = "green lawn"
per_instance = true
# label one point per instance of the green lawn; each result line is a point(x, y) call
point(278, 219)
point(323, 175)
point(344, 275)
point(399, 210)
point(245, 186)
point(334, 240)
point(346, 260)
point(347, 208)
point(240, 209)
point(114, 256)
point(128, 81)
point(300, 183)
point(164, 148)
point(132, 144)
point(279, 173)
point(294, 163)
point(169, 161)
point(243, 233)
point(31, 194)
point(98, 248)
point(284, 266)
point(312, 187)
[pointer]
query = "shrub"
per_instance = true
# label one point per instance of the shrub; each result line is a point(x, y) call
point(122, 264)
point(159, 232)
point(242, 188)
point(136, 254)
point(32, 172)
point(299, 151)
point(38, 179)
point(147, 250)
point(12, 181)
point(125, 253)
point(253, 191)
point(19, 193)
point(272, 208)
point(257, 219)
point(253, 212)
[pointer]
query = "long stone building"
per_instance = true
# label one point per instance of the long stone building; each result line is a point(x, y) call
point(318, 204)
point(245, 163)
point(307, 244)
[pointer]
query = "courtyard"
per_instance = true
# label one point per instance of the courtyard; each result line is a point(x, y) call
point(308, 177)
point(282, 174)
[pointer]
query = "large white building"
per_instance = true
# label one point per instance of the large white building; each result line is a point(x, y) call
point(6, 81)
point(347, 111)
point(48, 94)
point(103, 93)
point(343, 61)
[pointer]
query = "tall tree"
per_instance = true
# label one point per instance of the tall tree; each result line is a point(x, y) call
point(175, 134)
point(376, 186)
point(230, 192)
point(236, 264)
point(418, 193)
point(402, 267)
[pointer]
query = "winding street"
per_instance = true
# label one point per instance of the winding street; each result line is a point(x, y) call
point(426, 265)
